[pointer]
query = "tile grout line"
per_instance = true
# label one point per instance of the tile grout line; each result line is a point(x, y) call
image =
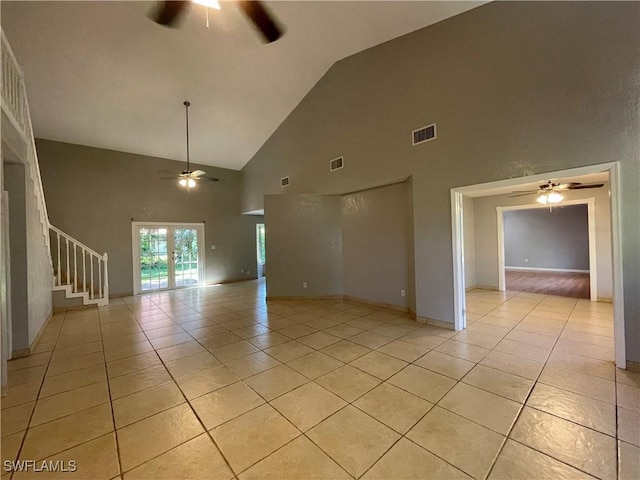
point(113, 417)
point(184, 301)
point(524, 403)
point(35, 404)
point(267, 402)
point(190, 407)
point(508, 436)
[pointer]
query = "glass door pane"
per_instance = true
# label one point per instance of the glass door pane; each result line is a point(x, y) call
point(154, 257)
point(185, 257)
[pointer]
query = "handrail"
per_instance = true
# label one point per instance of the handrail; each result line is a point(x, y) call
point(35, 163)
point(16, 107)
point(79, 272)
point(79, 244)
point(12, 85)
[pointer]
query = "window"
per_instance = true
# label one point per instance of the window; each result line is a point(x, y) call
point(260, 242)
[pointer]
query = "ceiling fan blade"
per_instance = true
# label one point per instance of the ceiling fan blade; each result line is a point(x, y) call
point(590, 185)
point(211, 179)
point(170, 13)
point(197, 173)
point(261, 19)
point(522, 194)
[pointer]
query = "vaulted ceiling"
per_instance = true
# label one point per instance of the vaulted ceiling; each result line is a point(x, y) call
point(103, 74)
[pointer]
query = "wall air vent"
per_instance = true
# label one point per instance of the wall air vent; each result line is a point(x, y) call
point(424, 134)
point(336, 164)
point(284, 182)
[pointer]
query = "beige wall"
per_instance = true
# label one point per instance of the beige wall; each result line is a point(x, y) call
point(303, 244)
point(93, 194)
point(515, 88)
point(358, 245)
point(376, 230)
point(486, 235)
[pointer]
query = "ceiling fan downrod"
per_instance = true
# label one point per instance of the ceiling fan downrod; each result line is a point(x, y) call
point(186, 107)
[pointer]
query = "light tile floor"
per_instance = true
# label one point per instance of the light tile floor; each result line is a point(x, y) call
point(213, 383)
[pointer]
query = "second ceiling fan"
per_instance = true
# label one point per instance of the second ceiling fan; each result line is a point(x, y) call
point(550, 192)
point(169, 14)
point(550, 187)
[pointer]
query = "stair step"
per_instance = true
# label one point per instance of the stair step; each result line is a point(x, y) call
point(86, 299)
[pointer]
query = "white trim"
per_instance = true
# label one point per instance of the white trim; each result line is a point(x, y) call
point(459, 304)
point(593, 264)
point(616, 245)
point(563, 203)
point(593, 251)
point(502, 282)
point(135, 250)
point(486, 189)
point(168, 224)
point(543, 269)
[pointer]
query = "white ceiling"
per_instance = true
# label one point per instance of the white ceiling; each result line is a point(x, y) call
point(103, 74)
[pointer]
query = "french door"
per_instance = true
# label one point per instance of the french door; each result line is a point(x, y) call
point(167, 255)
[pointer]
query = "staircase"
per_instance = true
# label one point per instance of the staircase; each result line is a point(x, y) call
point(76, 269)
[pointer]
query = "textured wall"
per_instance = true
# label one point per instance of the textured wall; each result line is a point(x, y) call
point(543, 238)
point(376, 230)
point(515, 88)
point(15, 185)
point(31, 275)
point(303, 244)
point(92, 194)
point(39, 268)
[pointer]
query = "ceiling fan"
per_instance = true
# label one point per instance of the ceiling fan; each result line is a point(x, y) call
point(169, 14)
point(550, 192)
point(188, 178)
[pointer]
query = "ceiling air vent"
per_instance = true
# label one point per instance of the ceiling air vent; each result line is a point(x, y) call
point(424, 134)
point(284, 182)
point(336, 164)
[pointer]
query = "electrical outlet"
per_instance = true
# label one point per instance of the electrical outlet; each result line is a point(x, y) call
point(403, 293)
point(304, 285)
point(248, 272)
point(242, 270)
point(526, 260)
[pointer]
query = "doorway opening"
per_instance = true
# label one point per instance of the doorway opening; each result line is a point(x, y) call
point(261, 249)
point(460, 196)
point(549, 250)
point(167, 256)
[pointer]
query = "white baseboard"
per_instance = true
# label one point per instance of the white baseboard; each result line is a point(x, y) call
point(540, 269)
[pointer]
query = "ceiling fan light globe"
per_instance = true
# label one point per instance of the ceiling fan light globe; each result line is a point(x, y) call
point(191, 183)
point(542, 199)
point(208, 3)
point(183, 182)
point(555, 197)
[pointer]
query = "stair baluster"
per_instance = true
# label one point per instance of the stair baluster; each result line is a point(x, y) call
point(84, 281)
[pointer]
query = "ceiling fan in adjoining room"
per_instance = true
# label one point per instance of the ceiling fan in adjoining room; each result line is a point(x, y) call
point(549, 193)
point(169, 14)
point(188, 178)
